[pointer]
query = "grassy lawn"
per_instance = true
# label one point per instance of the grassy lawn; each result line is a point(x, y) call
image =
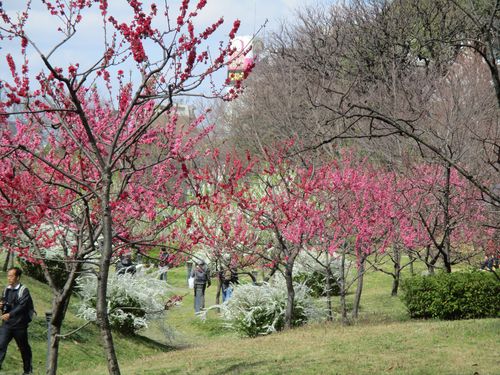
point(460, 347)
point(77, 353)
point(382, 341)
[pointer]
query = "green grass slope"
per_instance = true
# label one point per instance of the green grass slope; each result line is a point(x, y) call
point(78, 352)
point(383, 341)
point(454, 348)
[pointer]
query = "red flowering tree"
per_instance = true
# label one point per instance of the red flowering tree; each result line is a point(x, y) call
point(360, 219)
point(269, 202)
point(448, 212)
point(225, 237)
point(407, 237)
point(344, 210)
point(216, 225)
point(104, 152)
point(283, 205)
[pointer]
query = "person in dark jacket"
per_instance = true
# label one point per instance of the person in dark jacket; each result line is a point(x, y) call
point(228, 278)
point(17, 307)
point(125, 265)
point(201, 276)
point(163, 263)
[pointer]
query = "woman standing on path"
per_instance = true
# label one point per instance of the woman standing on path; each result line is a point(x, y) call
point(201, 276)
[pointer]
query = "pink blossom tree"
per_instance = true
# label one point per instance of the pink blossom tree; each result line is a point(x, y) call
point(275, 206)
point(447, 212)
point(226, 238)
point(343, 207)
point(340, 208)
point(106, 153)
point(360, 219)
point(217, 225)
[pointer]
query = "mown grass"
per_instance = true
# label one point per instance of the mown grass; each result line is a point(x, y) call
point(384, 340)
point(80, 351)
point(458, 347)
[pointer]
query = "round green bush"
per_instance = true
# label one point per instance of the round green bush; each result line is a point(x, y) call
point(457, 295)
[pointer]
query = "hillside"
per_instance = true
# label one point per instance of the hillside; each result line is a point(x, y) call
point(81, 350)
point(459, 347)
point(383, 341)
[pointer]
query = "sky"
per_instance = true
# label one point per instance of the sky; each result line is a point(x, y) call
point(253, 13)
point(84, 50)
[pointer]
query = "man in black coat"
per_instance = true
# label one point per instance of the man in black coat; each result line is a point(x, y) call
point(17, 307)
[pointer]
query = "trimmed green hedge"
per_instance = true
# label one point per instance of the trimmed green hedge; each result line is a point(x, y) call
point(457, 295)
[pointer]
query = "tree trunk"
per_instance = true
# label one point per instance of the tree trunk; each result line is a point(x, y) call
point(397, 271)
point(219, 283)
point(60, 303)
point(271, 274)
point(289, 312)
point(343, 291)
point(102, 286)
point(430, 261)
point(395, 285)
point(54, 350)
point(218, 293)
point(412, 269)
point(59, 307)
point(359, 287)
point(446, 258)
point(328, 285)
point(446, 247)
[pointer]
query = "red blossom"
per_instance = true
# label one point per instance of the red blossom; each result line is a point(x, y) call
point(12, 64)
point(201, 4)
point(234, 30)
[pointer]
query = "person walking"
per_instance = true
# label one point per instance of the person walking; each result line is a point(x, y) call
point(163, 263)
point(17, 312)
point(201, 276)
point(228, 278)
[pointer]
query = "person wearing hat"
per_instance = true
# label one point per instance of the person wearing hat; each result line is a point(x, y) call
point(201, 276)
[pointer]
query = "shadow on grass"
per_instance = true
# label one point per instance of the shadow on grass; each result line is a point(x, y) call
point(240, 368)
point(153, 344)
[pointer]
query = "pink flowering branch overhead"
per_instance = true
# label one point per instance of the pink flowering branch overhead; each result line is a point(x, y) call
point(101, 141)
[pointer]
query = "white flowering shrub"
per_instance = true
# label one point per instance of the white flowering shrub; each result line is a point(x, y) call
point(311, 271)
point(133, 300)
point(259, 310)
